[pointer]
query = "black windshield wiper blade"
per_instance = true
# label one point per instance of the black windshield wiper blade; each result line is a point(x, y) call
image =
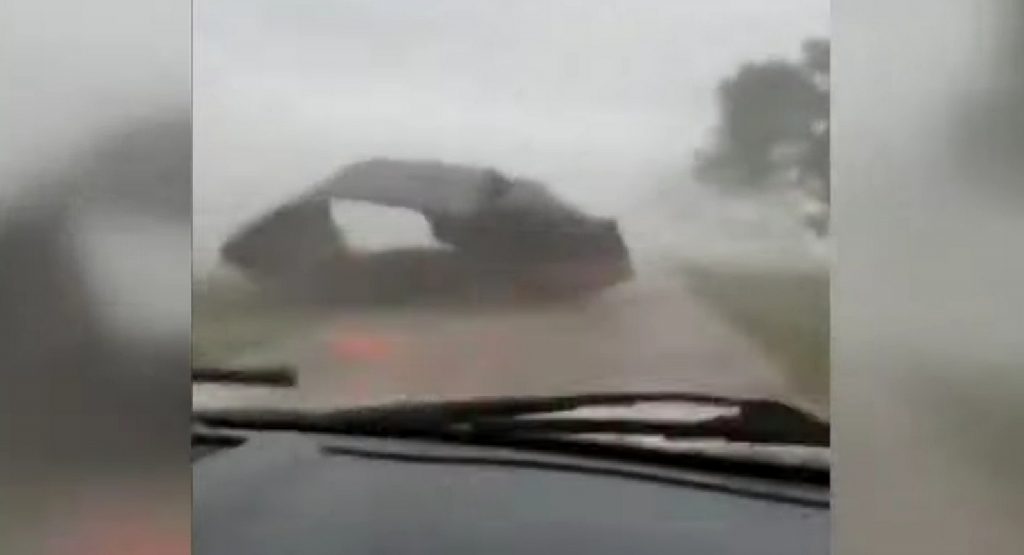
point(271, 376)
point(754, 420)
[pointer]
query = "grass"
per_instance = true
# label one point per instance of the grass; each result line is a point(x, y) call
point(784, 309)
point(231, 318)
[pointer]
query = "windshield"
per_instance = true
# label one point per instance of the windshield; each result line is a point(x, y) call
point(459, 200)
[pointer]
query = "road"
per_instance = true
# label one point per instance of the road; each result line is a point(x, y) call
point(651, 334)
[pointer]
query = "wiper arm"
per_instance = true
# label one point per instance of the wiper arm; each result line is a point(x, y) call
point(280, 376)
point(754, 420)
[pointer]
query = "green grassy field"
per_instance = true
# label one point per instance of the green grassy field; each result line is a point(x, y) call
point(784, 309)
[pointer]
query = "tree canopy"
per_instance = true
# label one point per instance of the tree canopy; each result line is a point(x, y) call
point(768, 106)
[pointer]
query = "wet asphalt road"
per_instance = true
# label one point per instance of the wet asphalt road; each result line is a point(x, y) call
point(648, 335)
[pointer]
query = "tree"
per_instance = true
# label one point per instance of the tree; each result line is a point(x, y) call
point(817, 56)
point(767, 106)
point(816, 162)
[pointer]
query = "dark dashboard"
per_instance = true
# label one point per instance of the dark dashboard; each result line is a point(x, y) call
point(293, 493)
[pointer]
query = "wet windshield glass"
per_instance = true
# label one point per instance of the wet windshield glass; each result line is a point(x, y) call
point(455, 200)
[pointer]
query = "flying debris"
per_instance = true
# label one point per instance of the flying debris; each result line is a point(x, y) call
point(497, 237)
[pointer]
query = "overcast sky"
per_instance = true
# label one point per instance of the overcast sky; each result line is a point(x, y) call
point(601, 99)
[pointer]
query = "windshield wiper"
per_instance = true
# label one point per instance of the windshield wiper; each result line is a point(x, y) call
point(275, 376)
point(753, 421)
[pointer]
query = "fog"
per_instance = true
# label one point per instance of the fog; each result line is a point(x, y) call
point(94, 216)
point(604, 101)
point(71, 78)
point(928, 296)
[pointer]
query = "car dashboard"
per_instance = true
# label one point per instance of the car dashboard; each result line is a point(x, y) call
point(282, 492)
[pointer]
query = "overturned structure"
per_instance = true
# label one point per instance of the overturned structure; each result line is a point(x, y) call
point(497, 237)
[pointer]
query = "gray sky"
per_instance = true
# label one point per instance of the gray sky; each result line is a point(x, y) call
point(605, 100)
